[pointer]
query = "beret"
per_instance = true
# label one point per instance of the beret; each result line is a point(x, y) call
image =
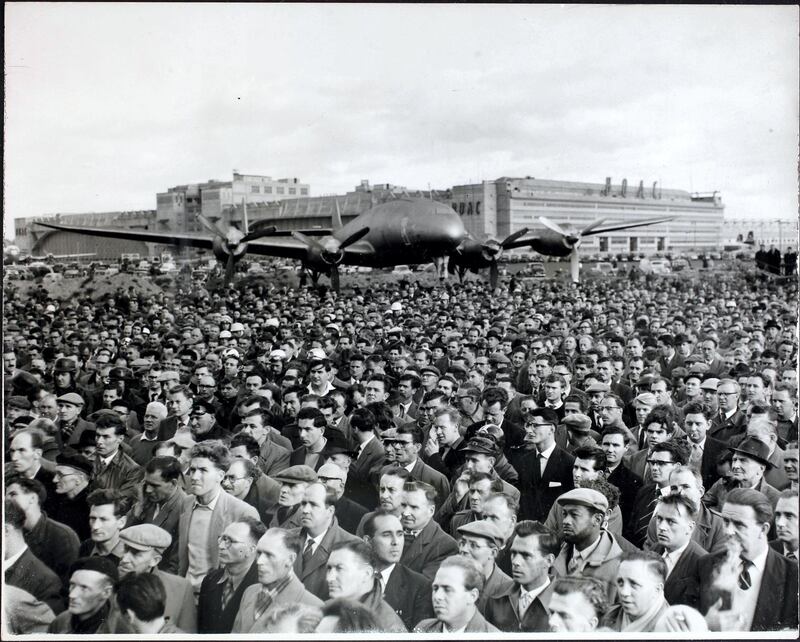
point(483, 528)
point(97, 564)
point(71, 398)
point(144, 536)
point(76, 461)
point(201, 406)
point(296, 475)
point(584, 497)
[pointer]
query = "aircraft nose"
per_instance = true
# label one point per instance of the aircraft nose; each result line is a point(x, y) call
point(452, 231)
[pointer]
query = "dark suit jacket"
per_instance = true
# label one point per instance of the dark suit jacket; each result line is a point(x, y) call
point(731, 427)
point(349, 514)
point(55, 544)
point(74, 438)
point(539, 491)
point(683, 583)
point(777, 598)
point(642, 508)
point(167, 518)
point(313, 574)
point(428, 550)
point(708, 466)
point(31, 574)
point(451, 462)
point(359, 486)
point(628, 483)
point(122, 474)
point(503, 611)
point(211, 617)
point(263, 496)
point(409, 594)
point(73, 513)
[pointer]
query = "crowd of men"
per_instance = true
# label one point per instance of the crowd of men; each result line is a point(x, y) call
point(770, 260)
point(617, 456)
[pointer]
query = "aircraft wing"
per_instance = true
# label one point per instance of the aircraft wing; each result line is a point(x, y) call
point(284, 246)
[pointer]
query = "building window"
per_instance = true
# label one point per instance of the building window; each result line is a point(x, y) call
point(292, 190)
point(255, 189)
point(303, 191)
point(267, 189)
point(280, 190)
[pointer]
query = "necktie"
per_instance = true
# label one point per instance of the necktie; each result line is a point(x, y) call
point(542, 464)
point(792, 556)
point(227, 592)
point(745, 582)
point(409, 536)
point(263, 600)
point(308, 553)
point(697, 454)
point(524, 602)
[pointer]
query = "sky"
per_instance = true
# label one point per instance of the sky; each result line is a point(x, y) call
point(108, 104)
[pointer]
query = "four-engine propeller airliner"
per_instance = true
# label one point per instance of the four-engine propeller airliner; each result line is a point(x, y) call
point(397, 232)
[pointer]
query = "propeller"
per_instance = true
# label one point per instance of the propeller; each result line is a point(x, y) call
point(572, 240)
point(332, 250)
point(230, 242)
point(492, 250)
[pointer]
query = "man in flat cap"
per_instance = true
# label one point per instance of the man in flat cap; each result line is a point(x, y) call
point(91, 587)
point(143, 547)
point(294, 481)
point(579, 431)
point(70, 424)
point(481, 541)
point(588, 550)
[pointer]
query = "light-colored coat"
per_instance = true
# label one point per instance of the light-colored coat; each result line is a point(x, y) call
point(293, 593)
point(228, 510)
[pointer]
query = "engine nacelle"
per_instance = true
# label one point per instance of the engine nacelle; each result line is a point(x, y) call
point(222, 250)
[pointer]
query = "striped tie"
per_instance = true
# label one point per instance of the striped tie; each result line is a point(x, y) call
point(644, 521)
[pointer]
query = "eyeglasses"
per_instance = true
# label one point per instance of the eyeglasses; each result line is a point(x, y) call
point(725, 394)
point(660, 462)
point(59, 475)
point(533, 426)
point(227, 541)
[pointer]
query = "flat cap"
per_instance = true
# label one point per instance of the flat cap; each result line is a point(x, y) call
point(578, 422)
point(76, 461)
point(277, 354)
point(18, 401)
point(483, 445)
point(646, 398)
point(679, 373)
point(144, 536)
point(644, 380)
point(71, 398)
point(483, 528)
point(710, 384)
point(331, 471)
point(584, 497)
point(97, 564)
point(296, 475)
point(597, 387)
point(698, 369)
point(168, 375)
point(430, 369)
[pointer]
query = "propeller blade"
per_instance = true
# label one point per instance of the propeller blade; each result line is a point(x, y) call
point(310, 242)
point(230, 266)
point(259, 233)
point(574, 265)
point(591, 226)
point(337, 217)
point(335, 277)
point(355, 236)
point(513, 237)
point(494, 275)
point(550, 225)
point(245, 228)
point(211, 227)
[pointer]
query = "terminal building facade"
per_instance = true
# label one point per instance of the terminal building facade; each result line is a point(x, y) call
point(491, 208)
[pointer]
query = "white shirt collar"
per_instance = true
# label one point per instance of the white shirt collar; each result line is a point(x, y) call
point(8, 563)
point(760, 560)
point(730, 413)
point(534, 593)
point(410, 466)
point(385, 573)
point(548, 451)
point(316, 540)
point(674, 555)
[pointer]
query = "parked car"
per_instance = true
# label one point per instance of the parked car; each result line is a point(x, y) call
point(401, 270)
point(678, 265)
point(72, 273)
point(602, 268)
